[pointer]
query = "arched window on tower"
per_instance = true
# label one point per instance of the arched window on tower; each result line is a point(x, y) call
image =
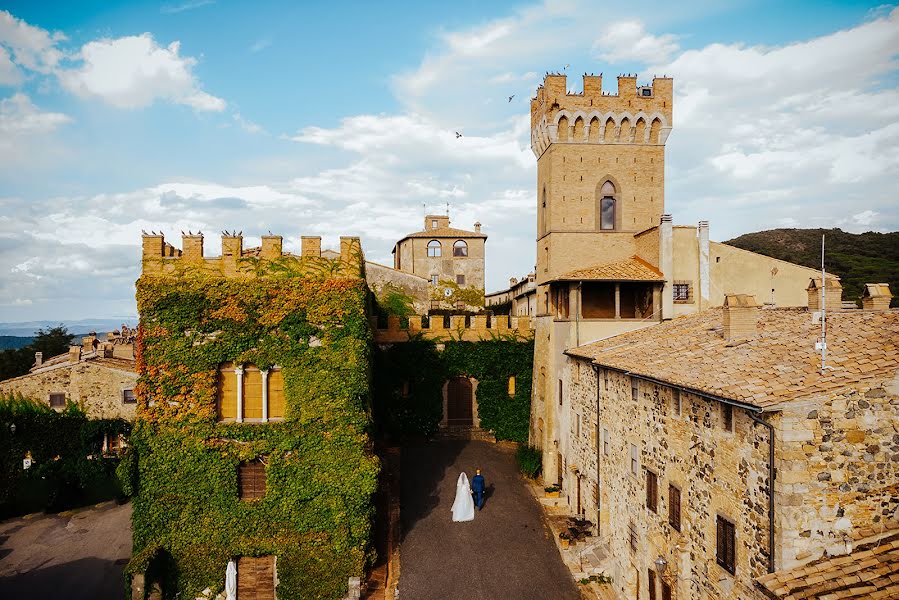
point(607, 206)
point(433, 248)
point(460, 248)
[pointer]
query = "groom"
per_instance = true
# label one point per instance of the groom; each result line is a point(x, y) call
point(477, 486)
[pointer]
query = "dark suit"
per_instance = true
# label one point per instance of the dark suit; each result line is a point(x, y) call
point(477, 486)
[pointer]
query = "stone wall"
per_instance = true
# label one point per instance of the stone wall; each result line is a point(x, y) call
point(838, 470)
point(96, 386)
point(383, 279)
point(717, 472)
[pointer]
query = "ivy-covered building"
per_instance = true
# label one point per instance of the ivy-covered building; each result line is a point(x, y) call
point(251, 468)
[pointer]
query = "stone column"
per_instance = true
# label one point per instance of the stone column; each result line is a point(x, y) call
point(617, 300)
point(239, 373)
point(264, 396)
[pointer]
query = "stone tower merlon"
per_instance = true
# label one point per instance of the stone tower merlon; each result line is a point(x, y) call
point(161, 258)
point(635, 115)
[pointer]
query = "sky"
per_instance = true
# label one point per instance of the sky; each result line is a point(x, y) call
point(339, 118)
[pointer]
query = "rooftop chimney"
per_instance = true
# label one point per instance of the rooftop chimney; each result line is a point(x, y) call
point(477, 226)
point(833, 293)
point(876, 296)
point(38, 359)
point(741, 315)
point(90, 342)
point(512, 281)
point(74, 354)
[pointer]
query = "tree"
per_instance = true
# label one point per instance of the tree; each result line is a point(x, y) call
point(52, 342)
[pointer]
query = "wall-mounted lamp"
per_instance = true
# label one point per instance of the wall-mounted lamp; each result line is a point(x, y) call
point(661, 564)
point(12, 428)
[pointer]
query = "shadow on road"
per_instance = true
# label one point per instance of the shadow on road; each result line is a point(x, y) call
point(82, 579)
point(425, 466)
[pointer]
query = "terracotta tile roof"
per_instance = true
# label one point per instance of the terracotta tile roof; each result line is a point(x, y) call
point(445, 232)
point(777, 365)
point(631, 269)
point(870, 571)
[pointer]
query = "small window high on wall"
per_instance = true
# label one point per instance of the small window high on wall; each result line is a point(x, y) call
point(607, 206)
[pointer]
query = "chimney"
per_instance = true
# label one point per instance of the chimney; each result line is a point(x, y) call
point(512, 281)
point(38, 359)
point(876, 296)
point(90, 343)
point(741, 315)
point(666, 264)
point(833, 293)
point(271, 247)
point(704, 277)
point(477, 227)
point(108, 350)
point(74, 354)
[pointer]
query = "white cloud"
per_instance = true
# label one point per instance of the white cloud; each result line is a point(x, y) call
point(170, 9)
point(260, 45)
point(9, 72)
point(134, 72)
point(629, 41)
point(247, 125)
point(32, 47)
point(19, 116)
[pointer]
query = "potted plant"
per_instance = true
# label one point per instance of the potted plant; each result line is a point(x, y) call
point(552, 491)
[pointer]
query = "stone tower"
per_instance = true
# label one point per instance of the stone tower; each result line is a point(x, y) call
point(600, 169)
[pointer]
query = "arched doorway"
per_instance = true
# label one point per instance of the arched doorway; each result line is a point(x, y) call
point(459, 402)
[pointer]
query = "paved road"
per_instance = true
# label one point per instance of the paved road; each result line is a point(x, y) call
point(71, 556)
point(505, 553)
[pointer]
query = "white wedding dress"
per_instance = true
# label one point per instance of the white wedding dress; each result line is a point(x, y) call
point(463, 507)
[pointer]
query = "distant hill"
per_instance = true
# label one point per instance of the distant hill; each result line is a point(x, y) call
point(27, 328)
point(857, 258)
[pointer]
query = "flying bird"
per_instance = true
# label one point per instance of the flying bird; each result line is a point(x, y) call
point(510, 97)
point(566, 67)
point(458, 135)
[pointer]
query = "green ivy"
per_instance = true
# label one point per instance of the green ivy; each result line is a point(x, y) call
point(425, 369)
point(317, 511)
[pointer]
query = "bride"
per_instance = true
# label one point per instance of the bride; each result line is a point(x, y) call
point(463, 507)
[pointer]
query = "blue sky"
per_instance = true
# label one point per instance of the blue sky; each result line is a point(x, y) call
point(339, 119)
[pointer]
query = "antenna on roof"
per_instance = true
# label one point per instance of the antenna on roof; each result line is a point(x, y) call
point(822, 343)
point(447, 209)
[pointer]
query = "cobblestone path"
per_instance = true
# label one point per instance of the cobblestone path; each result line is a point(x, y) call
point(506, 552)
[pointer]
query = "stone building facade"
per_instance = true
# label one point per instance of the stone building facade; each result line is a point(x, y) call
point(671, 433)
point(451, 260)
point(609, 258)
point(98, 377)
point(521, 295)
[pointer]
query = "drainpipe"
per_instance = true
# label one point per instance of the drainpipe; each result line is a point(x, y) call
point(772, 473)
point(577, 316)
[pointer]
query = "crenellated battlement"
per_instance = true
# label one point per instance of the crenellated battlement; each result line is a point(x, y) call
point(457, 327)
point(635, 115)
point(161, 258)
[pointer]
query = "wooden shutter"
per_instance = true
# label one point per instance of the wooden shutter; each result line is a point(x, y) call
point(666, 590)
point(275, 394)
point(726, 544)
point(252, 393)
point(652, 585)
point(57, 400)
point(652, 491)
point(256, 578)
point(227, 394)
point(251, 480)
point(674, 507)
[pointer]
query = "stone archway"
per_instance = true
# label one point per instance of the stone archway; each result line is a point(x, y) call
point(460, 404)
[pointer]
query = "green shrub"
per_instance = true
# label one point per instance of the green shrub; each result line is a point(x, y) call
point(530, 461)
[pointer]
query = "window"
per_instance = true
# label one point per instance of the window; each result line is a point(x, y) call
point(256, 578)
point(632, 535)
point(433, 223)
point(635, 461)
point(560, 392)
point(607, 206)
point(605, 441)
point(635, 389)
point(675, 396)
point(726, 553)
point(434, 248)
point(435, 304)
point(652, 584)
point(674, 507)
point(607, 213)
point(727, 417)
point(652, 491)
point(605, 376)
point(435, 280)
point(460, 248)
point(460, 279)
point(666, 589)
point(251, 480)
point(512, 386)
point(562, 302)
point(128, 397)
point(258, 394)
point(57, 400)
point(577, 425)
point(683, 291)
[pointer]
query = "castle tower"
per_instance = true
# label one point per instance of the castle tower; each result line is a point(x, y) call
point(600, 169)
point(602, 242)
